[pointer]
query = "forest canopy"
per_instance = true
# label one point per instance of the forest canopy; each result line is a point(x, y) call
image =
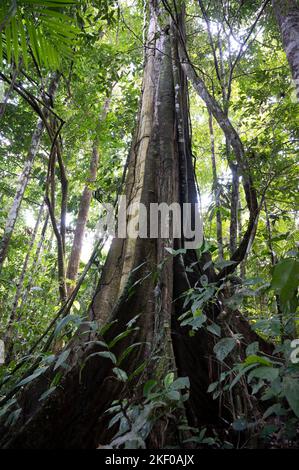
point(110, 111)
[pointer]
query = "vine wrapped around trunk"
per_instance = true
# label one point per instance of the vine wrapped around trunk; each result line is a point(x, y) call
point(138, 280)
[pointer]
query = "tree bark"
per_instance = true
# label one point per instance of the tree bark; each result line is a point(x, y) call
point(216, 190)
point(74, 260)
point(8, 338)
point(287, 16)
point(236, 143)
point(138, 280)
point(234, 209)
point(35, 265)
point(24, 178)
point(8, 92)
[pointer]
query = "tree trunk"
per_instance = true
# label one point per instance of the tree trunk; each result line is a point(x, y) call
point(74, 260)
point(236, 143)
point(8, 338)
point(287, 16)
point(35, 265)
point(24, 178)
point(138, 280)
point(8, 92)
point(234, 209)
point(216, 190)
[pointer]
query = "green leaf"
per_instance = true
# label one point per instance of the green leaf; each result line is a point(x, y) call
point(8, 43)
point(285, 278)
point(181, 251)
point(173, 395)
point(99, 343)
point(148, 387)
point(214, 329)
point(265, 373)
point(168, 380)
point(127, 351)
point(252, 348)
point(62, 358)
point(240, 375)
point(1, 48)
point(65, 321)
point(254, 359)
point(138, 370)
point(212, 387)
point(106, 355)
point(76, 305)
point(181, 383)
point(106, 327)
point(24, 49)
point(47, 393)
point(120, 374)
point(224, 347)
point(276, 409)
point(33, 376)
point(121, 336)
point(291, 391)
point(240, 424)
point(15, 42)
point(224, 264)
point(33, 40)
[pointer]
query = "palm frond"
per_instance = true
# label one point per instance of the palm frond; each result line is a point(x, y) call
point(42, 28)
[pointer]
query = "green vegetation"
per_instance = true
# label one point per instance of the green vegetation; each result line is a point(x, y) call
point(158, 345)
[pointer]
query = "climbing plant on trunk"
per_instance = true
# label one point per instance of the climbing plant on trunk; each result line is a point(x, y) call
point(142, 284)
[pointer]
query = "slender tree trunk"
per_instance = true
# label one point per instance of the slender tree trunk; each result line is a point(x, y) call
point(74, 260)
point(216, 190)
point(34, 265)
point(240, 236)
point(139, 279)
point(22, 185)
point(234, 209)
point(233, 137)
point(24, 179)
point(4, 99)
point(8, 338)
point(274, 260)
point(287, 16)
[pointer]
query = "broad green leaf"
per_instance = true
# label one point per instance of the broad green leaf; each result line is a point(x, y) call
point(168, 380)
point(252, 348)
point(291, 391)
point(276, 409)
point(120, 374)
point(173, 395)
point(224, 347)
point(240, 424)
point(148, 387)
point(215, 329)
point(285, 278)
point(265, 373)
point(180, 383)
